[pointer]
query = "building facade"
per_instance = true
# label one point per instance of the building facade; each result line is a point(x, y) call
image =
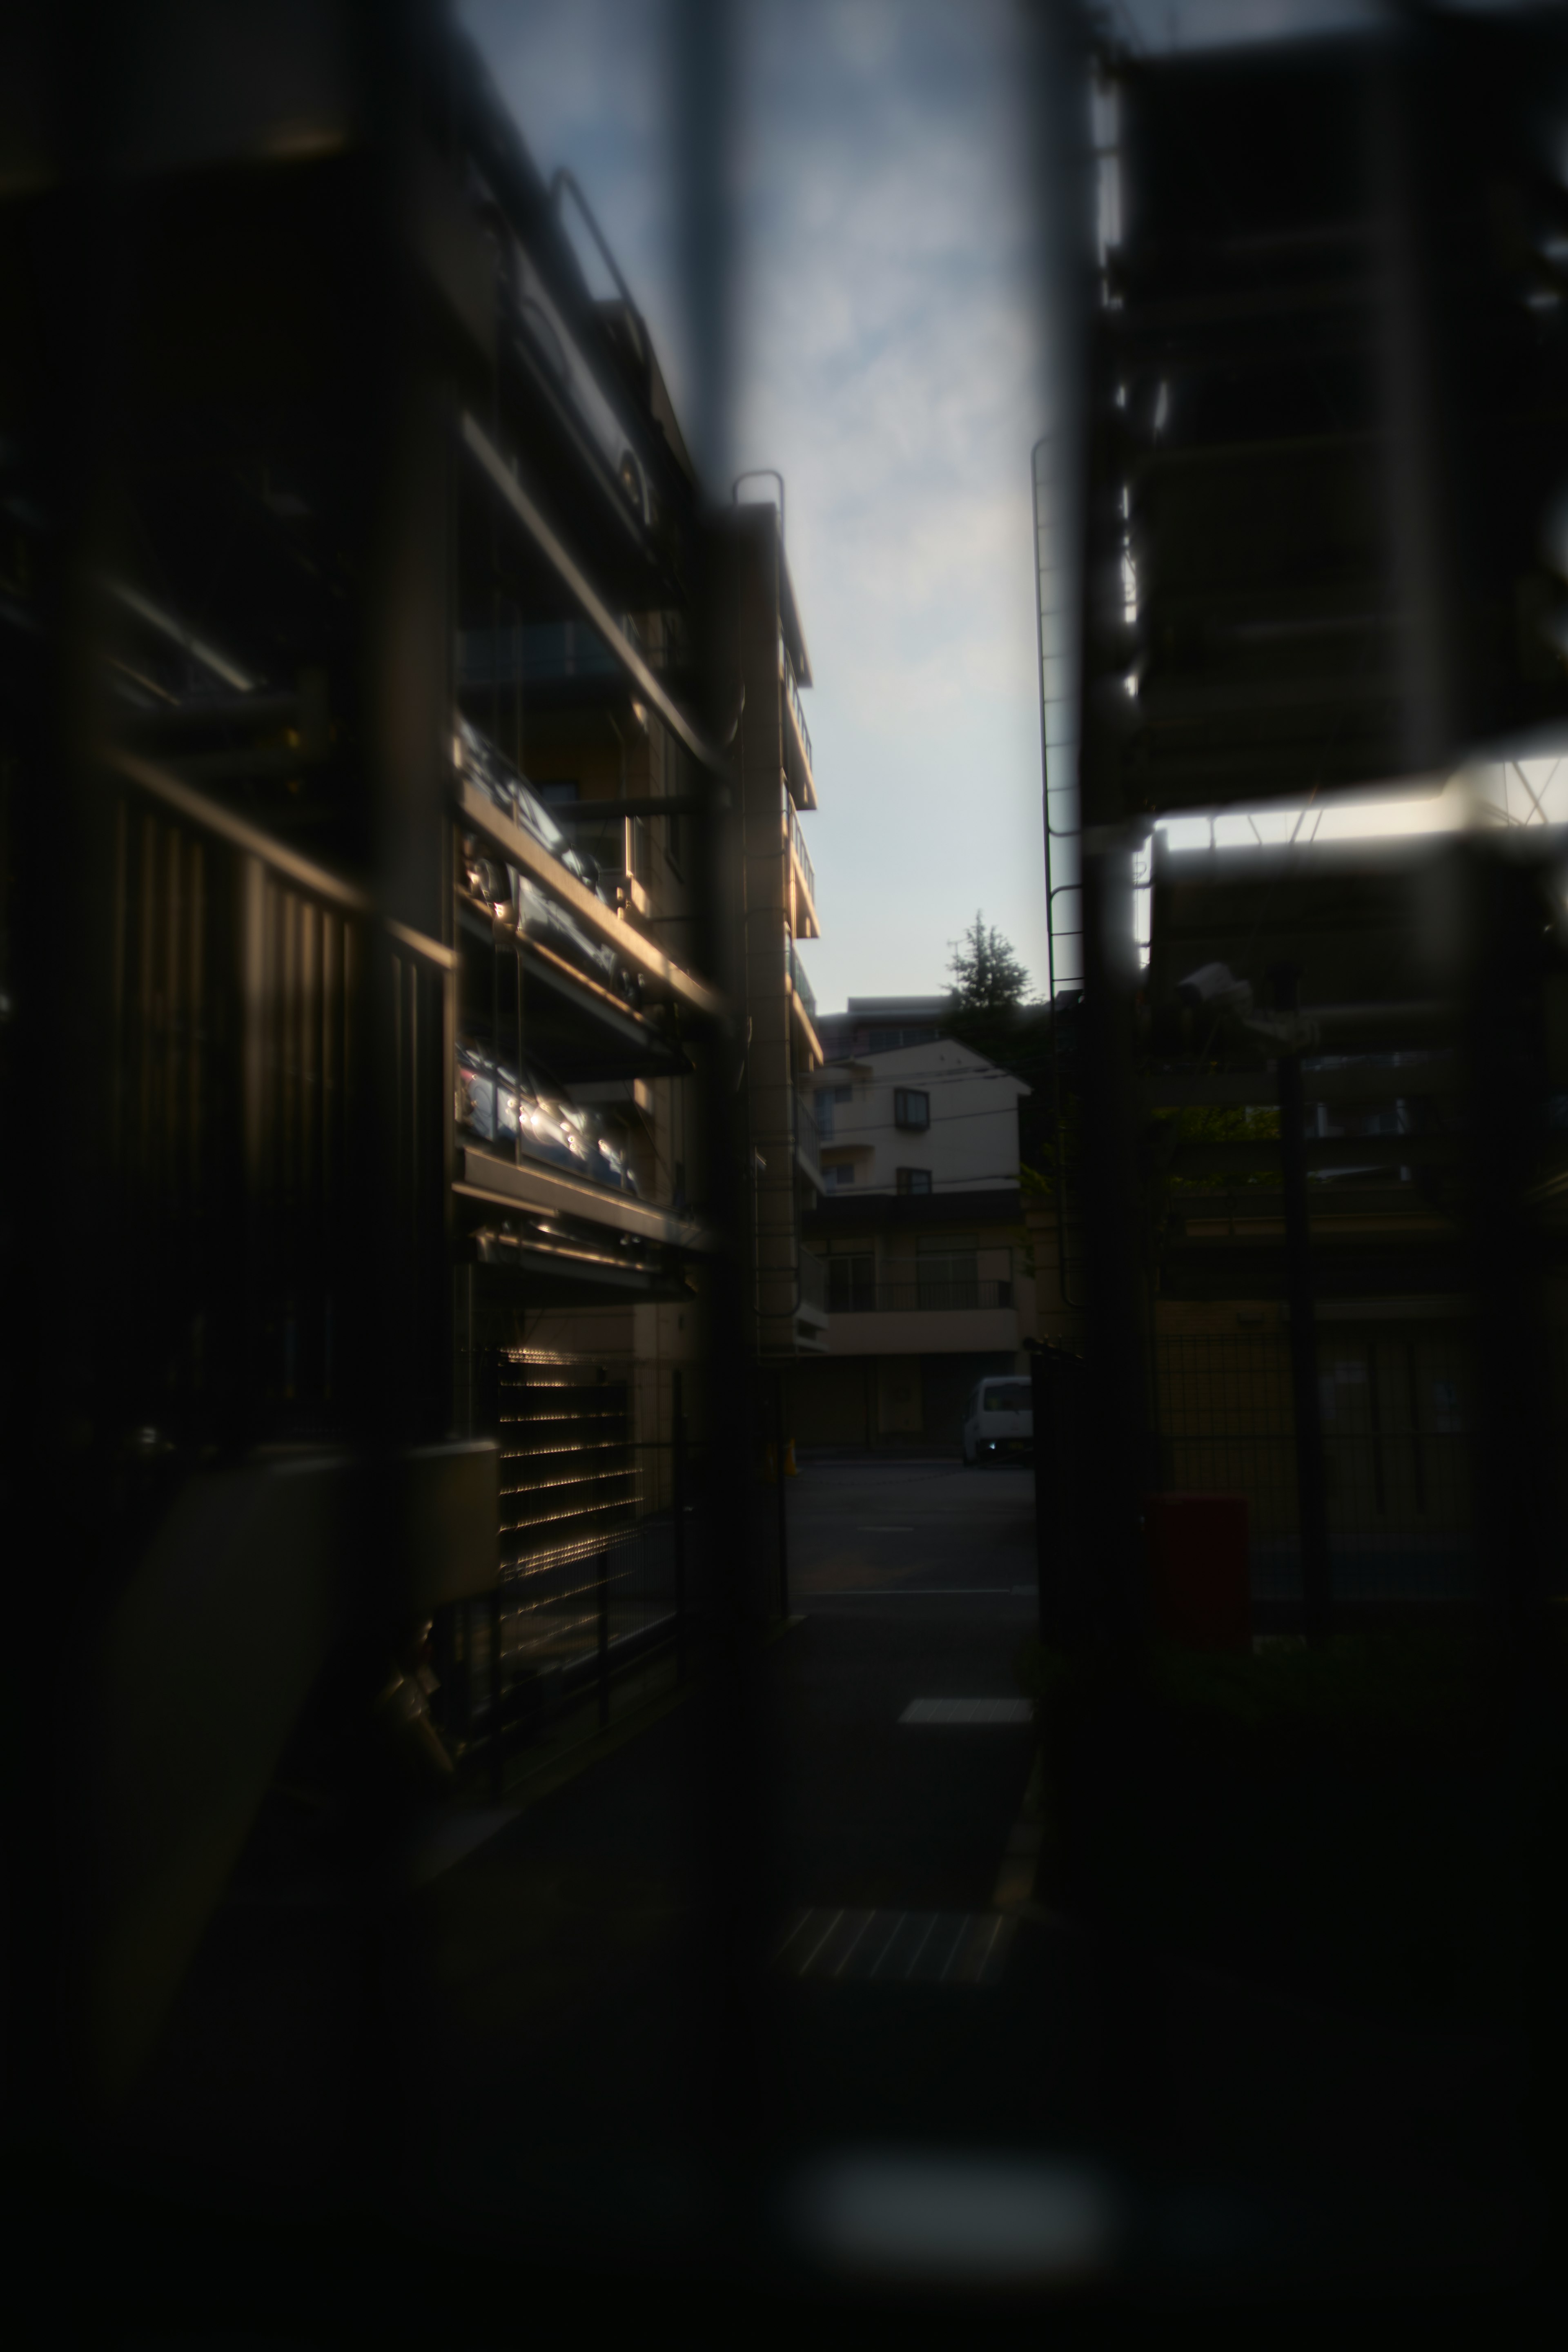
point(925, 1266)
point(413, 849)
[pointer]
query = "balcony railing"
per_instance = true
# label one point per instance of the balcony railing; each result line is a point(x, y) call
point(813, 1282)
point(792, 695)
point(803, 988)
point(807, 1135)
point(539, 653)
point(854, 1297)
point(802, 855)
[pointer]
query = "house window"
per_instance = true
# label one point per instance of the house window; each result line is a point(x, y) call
point(913, 1180)
point(911, 1110)
point(852, 1283)
point(834, 1176)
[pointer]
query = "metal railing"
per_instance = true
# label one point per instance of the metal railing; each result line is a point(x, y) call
point(851, 1296)
point(792, 695)
point(1397, 1415)
point(802, 855)
point(803, 987)
point(600, 1558)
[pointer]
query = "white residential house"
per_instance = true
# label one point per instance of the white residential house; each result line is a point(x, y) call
point(920, 1237)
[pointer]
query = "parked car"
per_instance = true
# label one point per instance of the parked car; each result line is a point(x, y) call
point(492, 773)
point(538, 915)
point(494, 1105)
point(514, 897)
point(1000, 1419)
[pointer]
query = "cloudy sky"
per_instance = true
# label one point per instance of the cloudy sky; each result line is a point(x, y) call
point(888, 367)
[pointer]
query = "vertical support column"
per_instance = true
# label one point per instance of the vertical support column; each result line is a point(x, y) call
point(602, 1610)
point(1112, 1759)
point(678, 1483)
point(1115, 1432)
point(1503, 1041)
point(497, 1701)
point(1044, 1497)
point(728, 1791)
point(1311, 1498)
point(779, 1471)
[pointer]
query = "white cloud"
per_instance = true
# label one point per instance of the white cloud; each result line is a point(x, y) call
point(888, 368)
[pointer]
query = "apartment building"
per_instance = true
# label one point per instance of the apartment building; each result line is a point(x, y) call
point(777, 788)
point(407, 834)
point(880, 1024)
point(920, 1233)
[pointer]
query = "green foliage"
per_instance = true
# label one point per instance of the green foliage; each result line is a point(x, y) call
point(1051, 1151)
point(1354, 1822)
point(1205, 1124)
point(1340, 1692)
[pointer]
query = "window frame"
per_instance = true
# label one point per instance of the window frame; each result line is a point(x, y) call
point(902, 1097)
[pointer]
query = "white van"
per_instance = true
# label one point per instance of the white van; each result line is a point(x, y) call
point(1000, 1417)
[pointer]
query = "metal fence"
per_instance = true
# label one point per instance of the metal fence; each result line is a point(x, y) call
point(600, 1561)
point(1398, 1413)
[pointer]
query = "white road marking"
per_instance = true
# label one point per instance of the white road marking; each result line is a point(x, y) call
point(976, 1942)
point(990, 1949)
point(892, 1939)
point(968, 1710)
point(817, 1946)
point(853, 1941)
point(964, 1928)
point(919, 1947)
point(800, 1923)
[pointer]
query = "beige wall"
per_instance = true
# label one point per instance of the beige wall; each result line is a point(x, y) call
point(972, 1142)
point(898, 1395)
point(981, 1331)
point(832, 1402)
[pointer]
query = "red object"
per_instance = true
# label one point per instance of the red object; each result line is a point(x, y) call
point(1198, 1569)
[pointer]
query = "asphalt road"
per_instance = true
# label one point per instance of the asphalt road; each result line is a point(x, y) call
point(770, 1924)
point(860, 1530)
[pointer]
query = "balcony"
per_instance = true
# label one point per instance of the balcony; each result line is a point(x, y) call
point(799, 982)
point(802, 1002)
point(796, 736)
point(807, 927)
point(927, 1318)
point(807, 1140)
point(854, 1296)
point(813, 1283)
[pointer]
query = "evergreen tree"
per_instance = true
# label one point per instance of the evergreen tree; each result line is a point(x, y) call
point(994, 1012)
point(987, 978)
